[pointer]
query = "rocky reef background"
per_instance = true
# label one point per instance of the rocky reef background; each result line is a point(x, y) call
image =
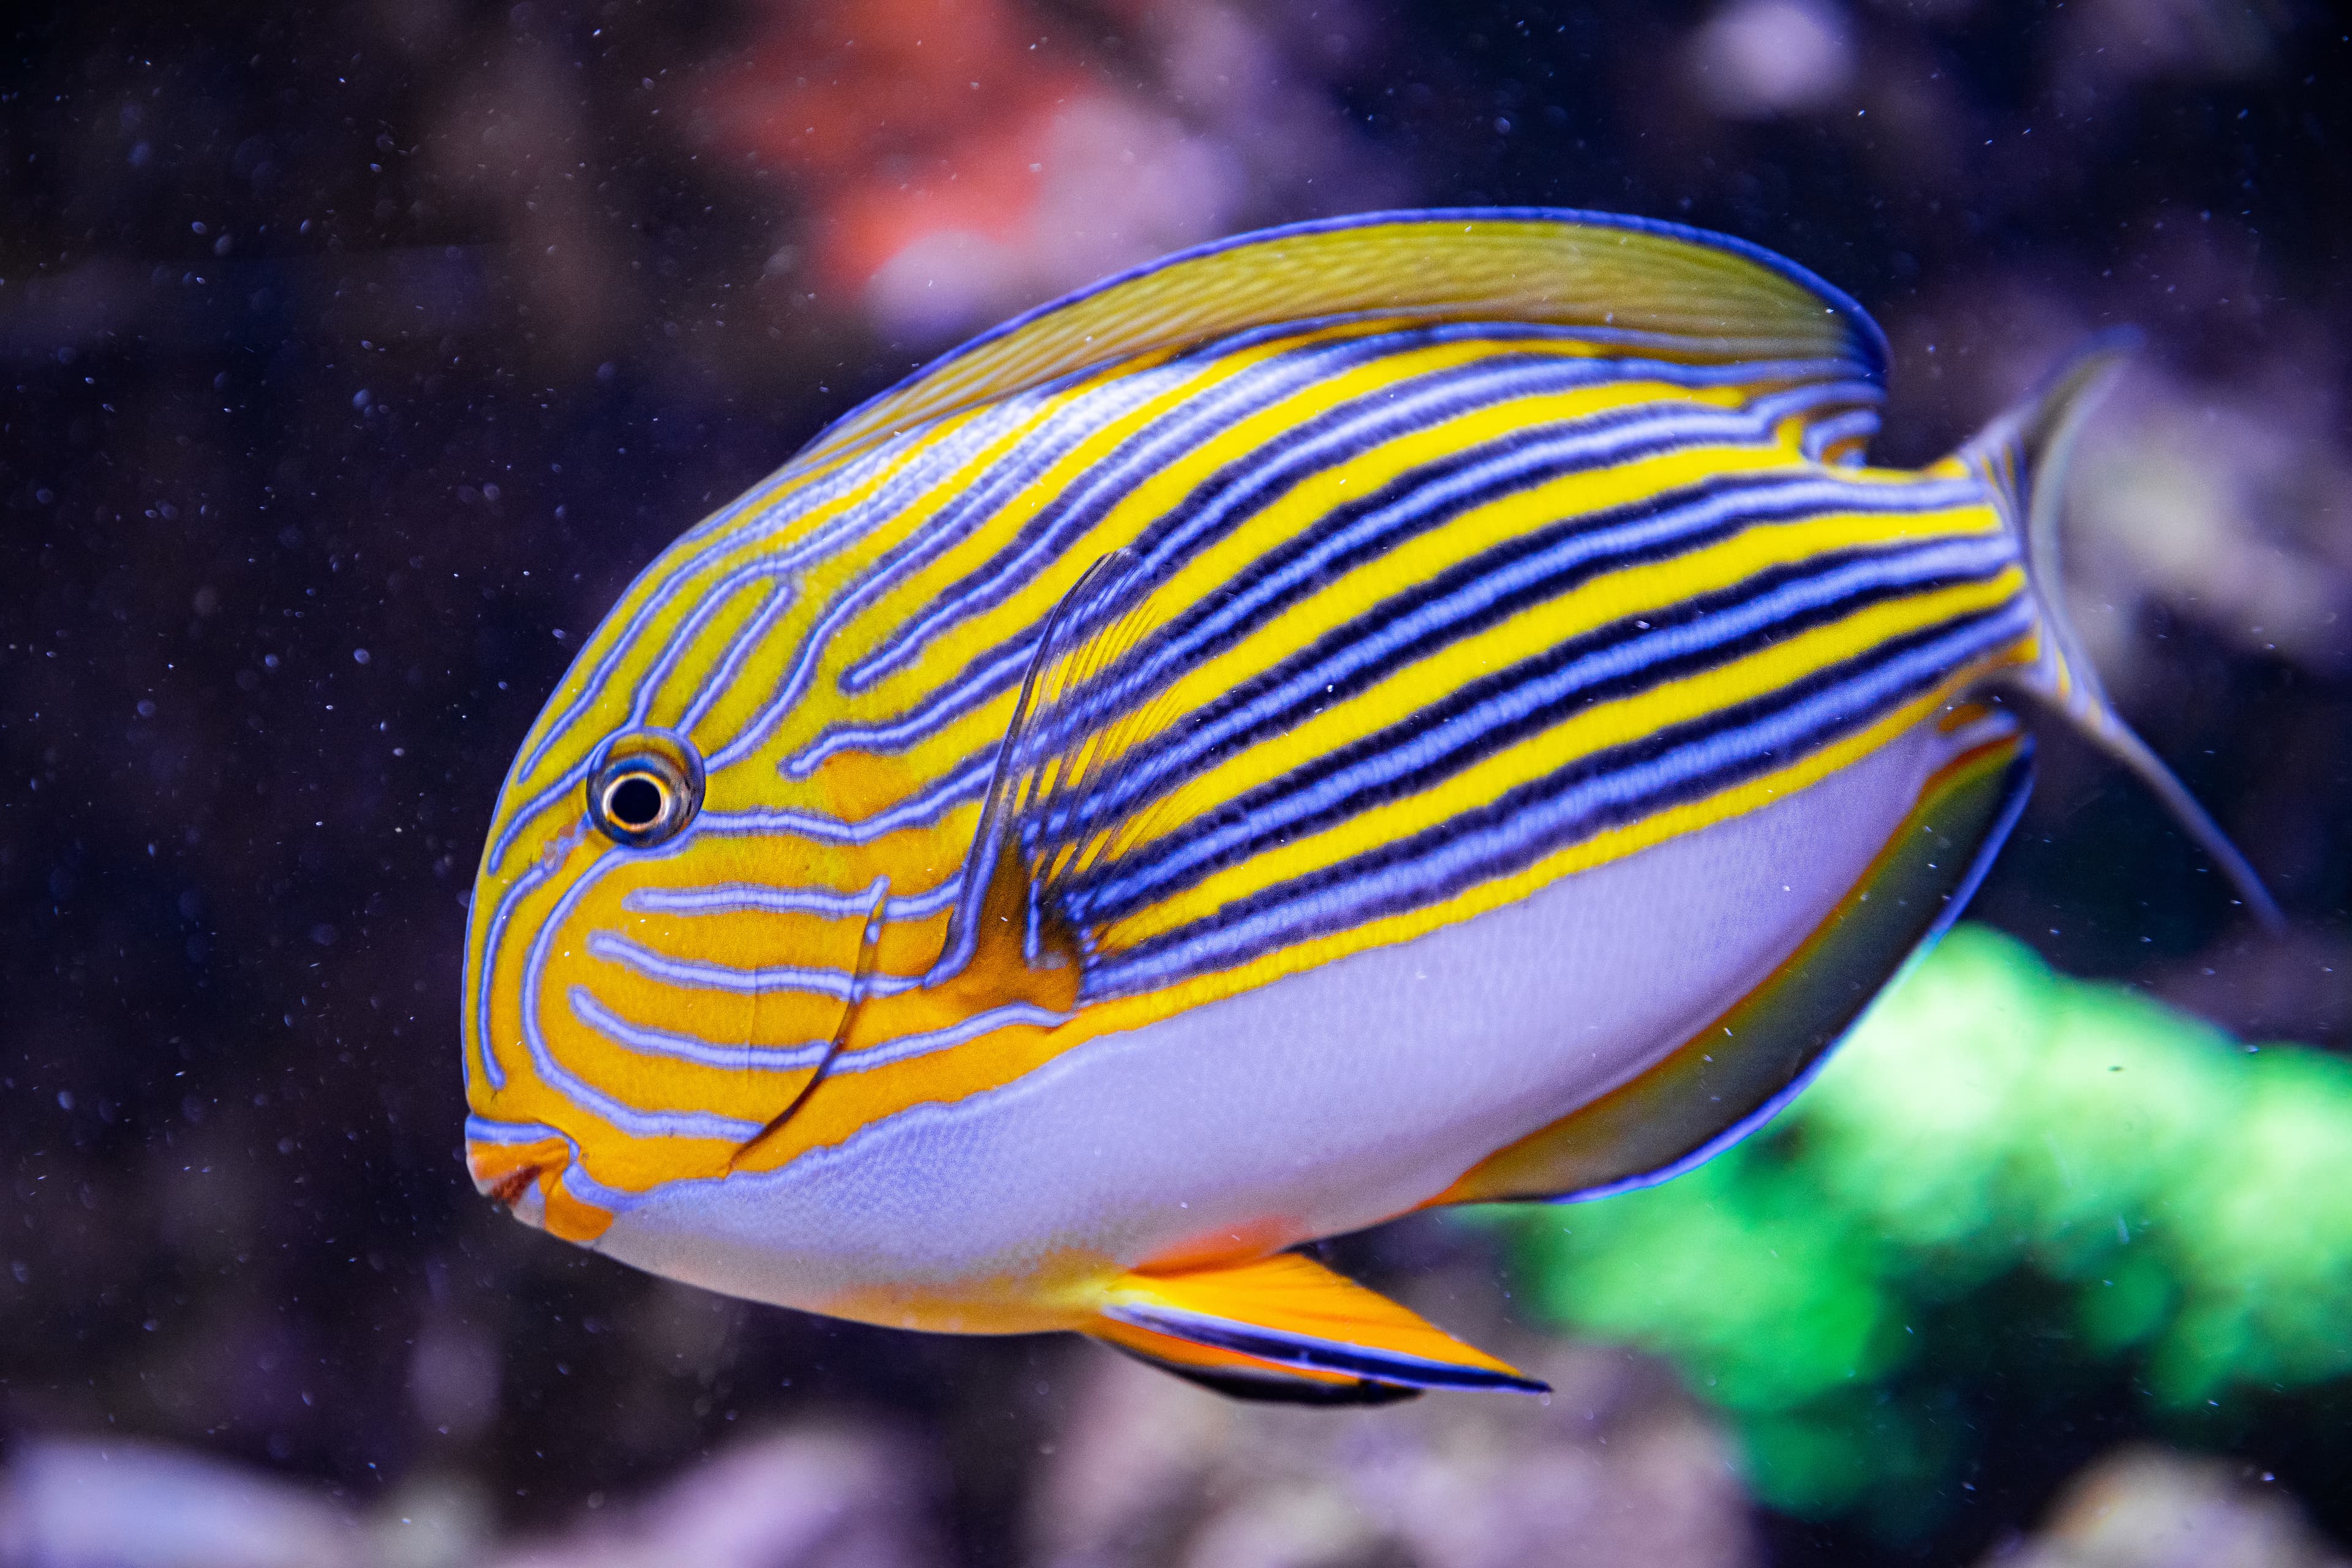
point(352, 357)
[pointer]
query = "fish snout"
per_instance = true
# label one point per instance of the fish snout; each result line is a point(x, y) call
point(527, 1178)
point(519, 1189)
point(516, 1177)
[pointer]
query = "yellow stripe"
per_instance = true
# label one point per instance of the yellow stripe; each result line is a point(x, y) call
point(948, 656)
point(1580, 735)
point(1656, 586)
point(853, 785)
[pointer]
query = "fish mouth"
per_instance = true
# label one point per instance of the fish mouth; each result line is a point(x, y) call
point(509, 1189)
point(517, 1179)
point(527, 1178)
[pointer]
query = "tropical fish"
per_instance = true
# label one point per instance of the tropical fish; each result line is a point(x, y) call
point(1417, 709)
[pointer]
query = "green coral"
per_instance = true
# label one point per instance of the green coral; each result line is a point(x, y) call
point(2182, 1196)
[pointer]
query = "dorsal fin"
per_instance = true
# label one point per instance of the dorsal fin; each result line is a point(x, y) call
point(2023, 455)
point(1656, 289)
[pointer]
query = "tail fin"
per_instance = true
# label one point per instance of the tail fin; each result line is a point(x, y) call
point(2023, 455)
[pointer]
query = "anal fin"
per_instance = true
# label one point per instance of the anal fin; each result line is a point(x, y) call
point(1737, 1073)
point(1238, 1377)
point(1286, 1327)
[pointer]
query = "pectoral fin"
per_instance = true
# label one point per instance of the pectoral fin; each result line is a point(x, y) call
point(1053, 808)
point(869, 942)
point(1286, 1328)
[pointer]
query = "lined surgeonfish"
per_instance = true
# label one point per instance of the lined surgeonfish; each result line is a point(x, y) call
point(1416, 709)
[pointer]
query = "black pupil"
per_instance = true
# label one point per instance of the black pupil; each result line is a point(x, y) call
point(635, 803)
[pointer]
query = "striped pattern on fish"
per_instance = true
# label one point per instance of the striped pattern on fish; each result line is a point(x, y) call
point(1239, 617)
point(1480, 452)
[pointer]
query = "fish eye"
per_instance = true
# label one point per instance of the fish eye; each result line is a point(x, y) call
point(647, 788)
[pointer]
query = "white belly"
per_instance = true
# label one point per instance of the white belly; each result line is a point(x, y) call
point(1322, 1103)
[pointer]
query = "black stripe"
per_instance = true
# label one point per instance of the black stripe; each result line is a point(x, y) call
point(1328, 888)
point(1324, 1355)
point(1159, 656)
point(1285, 556)
point(1080, 504)
point(1475, 746)
point(1147, 778)
point(1217, 409)
point(1011, 655)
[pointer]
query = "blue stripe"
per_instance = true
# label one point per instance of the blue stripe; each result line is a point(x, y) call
point(1595, 440)
point(1091, 493)
point(1049, 536)
point(746, 1057)
point(884, 1053)
point(967, 783)
point(1811, 398)
point(675, 573)
point(1423, 747)
point(1335, 666)
point(1073, 422)
point(1521, 462)
point(773, 602)
point(751, 898)
point(569, 782)
point(1283, 1348)
point(1427, 400)
point(632, 1120)
point(1528, 825)
point(754, 981)
point(493, 942)
point(900, 487)
point(485, 1129)
point(1822, 434)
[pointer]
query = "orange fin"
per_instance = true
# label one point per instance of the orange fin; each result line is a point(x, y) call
point(1239, 1376)
point(1737, 1073)
point(1287, 1319)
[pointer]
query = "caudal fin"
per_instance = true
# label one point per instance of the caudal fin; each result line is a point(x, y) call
point(2023, 455)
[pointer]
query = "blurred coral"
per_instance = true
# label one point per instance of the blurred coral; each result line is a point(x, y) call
point(2000, 1163)
point(2147, 1507)
point(1614, 1467)
point(964, 158)
point(820, 1497)
point(416, 327)
point(126, 1504)
point(2230, 504)
point(811, 1498)
point(1761, 58)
